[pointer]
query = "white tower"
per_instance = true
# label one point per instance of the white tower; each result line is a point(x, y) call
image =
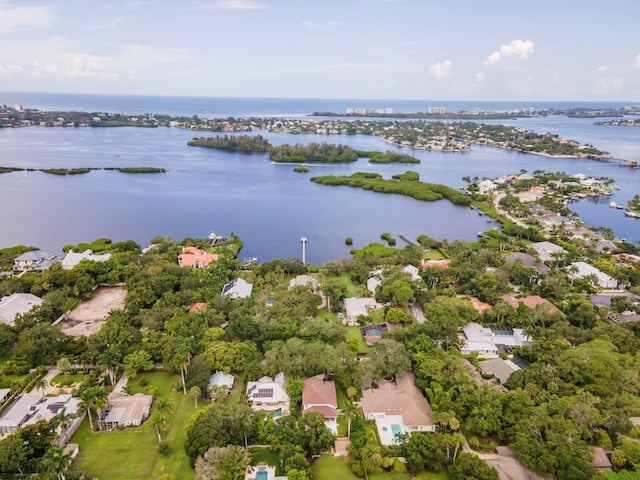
point(303, 240)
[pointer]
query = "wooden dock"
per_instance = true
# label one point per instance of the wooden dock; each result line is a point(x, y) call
point(409, 240)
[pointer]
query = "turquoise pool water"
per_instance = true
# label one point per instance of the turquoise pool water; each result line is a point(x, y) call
point(397, 431)
point(262, 475)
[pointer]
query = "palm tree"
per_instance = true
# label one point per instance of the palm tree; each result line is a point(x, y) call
point(195, 392)
point(41, 385)
point(55, 461)
point(156, 421)
point(63, 365)
point(62, 421)
point(110, 361)
point(351, 393)
point(371, 461)
point(294, 387)
point(93, 398)
point(218, 393)
point(163, 406)
point(350, 411)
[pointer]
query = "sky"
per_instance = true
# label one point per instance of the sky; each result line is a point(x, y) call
point(560, 50)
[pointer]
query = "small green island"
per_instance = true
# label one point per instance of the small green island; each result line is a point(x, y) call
point(83, 170)
point(301, 170)
point(387, 157)
point(313, 153)
point(407, 184)
point(233, 143)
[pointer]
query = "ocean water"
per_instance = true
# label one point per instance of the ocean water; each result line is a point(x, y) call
point(269, 206)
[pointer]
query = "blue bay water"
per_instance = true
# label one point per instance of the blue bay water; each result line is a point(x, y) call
point(269, 206)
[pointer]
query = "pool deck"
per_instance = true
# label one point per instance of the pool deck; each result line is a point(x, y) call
point(252, 472)
point(384, 428)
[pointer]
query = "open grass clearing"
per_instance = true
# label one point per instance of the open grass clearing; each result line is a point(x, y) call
point(356, 332)
point(268, 456)
point(133, 453)
point(329, 467)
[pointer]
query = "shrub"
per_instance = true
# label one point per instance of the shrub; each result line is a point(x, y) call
point(163, 448)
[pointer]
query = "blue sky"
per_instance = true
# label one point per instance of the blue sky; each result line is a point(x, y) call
point(386, 49)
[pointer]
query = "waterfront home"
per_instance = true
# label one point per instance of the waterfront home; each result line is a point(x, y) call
point(528, 261)
point(71, 259)
point(490, 340)
point(196, 258)
point(398, 407)
point(319, 395)
point(303, 281)
point(269, 394)
point(581, 270)
point(238, 288)
point(17, 304)
point(36, 261)
point(125, 410)
point(357, 307)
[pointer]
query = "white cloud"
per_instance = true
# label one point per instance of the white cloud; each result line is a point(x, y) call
point(637, 62)
point(602, 68)
point(239, 5)
point(517, 49)
point(441, 69)
point(24, 18)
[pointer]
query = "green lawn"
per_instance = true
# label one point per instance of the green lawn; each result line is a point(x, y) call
point(133, 453)
point(268, 456)
point(433, 254)
point(352, 288)
point(356, 332)
point(70, 379)
point(329, 467)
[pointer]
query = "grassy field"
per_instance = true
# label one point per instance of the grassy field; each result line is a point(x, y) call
point(264, 455)
point(70, 379)
point(329, 467)
point(133, 453)
point(356, 332)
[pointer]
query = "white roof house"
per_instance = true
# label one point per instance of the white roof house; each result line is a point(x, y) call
point(5, 393)
point(488, 341)
point(221, 379)
point(359, 306)
point(268, 394)
point(584, 270)
point(304, 280)
point(126, 410)
point(28, 409)
point(71, 259)
point(546, 250)
point(413, 271)
point(16, 304)
point(238, 288)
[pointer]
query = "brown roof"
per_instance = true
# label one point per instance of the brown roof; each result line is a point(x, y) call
point(326, 412)
point(401, 397)
point(318, 391)
point(532, 301)
point(600, 459)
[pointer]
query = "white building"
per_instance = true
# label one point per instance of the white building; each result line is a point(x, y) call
point(238, 288)
point(355, 307)
point(583, 270)
point(490, 340)
point(71, 259)
point(17, 304)
point(548, 251)
point(269, 394)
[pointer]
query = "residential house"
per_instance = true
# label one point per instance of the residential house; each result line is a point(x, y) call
point(500, 369)
point(222, 380)
point(196, 258)
point(508, 466)
point(238, 288)
point(125, 410)
point(269, 394)
point(548, 251)
point(490, 340)
point(528, 261)
point(71, 259)
point(581, 270)
point(436, 263)
point(5, 393)
point(532, 302)
point(319, 395)
point(398, 407)
point(36, 261)
point(413, 271)
point(303, 281)
point(16, 304)
point(356, 307)
point(28, 409)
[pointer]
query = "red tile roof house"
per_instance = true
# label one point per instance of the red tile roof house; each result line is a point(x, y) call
point(398, 407)
point(194, 257)
point(319, 395)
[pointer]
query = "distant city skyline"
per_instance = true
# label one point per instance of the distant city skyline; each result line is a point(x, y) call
point(574, 50)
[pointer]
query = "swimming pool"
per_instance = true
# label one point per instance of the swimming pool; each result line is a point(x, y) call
point(397, 430)
point(262, 475)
